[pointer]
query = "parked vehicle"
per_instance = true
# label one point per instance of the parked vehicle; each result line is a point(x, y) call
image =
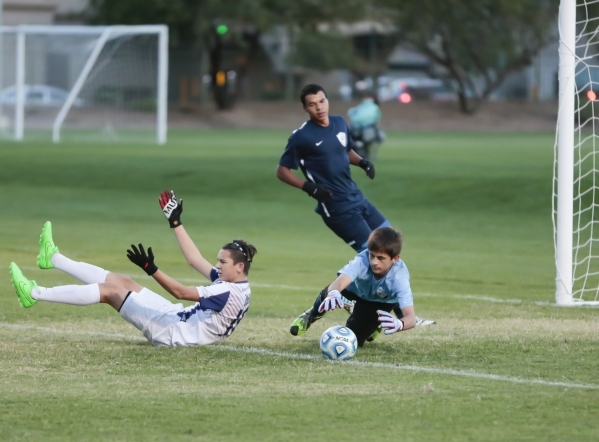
point(38, 95)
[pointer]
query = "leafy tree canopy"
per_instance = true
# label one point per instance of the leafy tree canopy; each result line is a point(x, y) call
point(479, 42)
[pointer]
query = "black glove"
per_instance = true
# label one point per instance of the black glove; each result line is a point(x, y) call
point(317, 191)
point(139, 258)
point(172, 210)
point(368, 168)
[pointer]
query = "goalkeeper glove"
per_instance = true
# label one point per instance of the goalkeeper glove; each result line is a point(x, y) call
point(389, 322)
point(317, 191)
point(331, 302)
point(172, 210)
point(141, 259)
point(368, 168)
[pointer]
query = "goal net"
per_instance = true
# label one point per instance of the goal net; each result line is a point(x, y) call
point(576, 165)
point(84, 82)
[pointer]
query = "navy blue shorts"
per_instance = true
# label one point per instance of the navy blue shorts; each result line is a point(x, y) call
point(355, 225)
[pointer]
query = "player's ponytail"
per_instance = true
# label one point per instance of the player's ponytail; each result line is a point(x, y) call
point(241, 251)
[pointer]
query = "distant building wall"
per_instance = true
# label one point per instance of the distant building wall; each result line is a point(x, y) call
point(28, 12)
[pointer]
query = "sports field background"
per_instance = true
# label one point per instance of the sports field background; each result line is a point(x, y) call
point(501, 364)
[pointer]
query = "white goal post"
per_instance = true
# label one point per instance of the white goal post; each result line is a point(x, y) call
point(107, 80)
point(576, 163)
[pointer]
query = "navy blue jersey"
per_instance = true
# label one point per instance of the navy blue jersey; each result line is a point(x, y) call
point(322, 154)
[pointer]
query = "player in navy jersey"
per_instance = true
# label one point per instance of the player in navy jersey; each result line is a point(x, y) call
point(218, 307)
point(323, 149)
point(377, 280)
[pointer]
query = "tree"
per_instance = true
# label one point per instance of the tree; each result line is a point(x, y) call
point(310, 52)
point(198, 21)
point(478, 42)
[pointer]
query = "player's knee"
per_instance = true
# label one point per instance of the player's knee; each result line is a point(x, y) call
point(111, 289)
point(123, 281)
point(113, 294)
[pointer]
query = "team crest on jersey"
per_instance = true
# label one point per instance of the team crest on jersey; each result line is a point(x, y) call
point(380, 293)
point(342, 138)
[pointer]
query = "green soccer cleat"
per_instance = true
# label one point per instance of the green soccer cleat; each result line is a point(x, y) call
point(376, 334)
point(23, 286)
point(47, 247)
point(303, 323)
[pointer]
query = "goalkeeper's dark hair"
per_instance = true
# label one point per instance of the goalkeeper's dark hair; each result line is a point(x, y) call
point(311, 89)
point(386, 240)
point(241, 251)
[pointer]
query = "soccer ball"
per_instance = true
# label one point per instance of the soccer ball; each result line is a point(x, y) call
point(338, 343)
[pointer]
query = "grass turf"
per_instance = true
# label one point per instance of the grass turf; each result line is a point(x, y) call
point(475, 211)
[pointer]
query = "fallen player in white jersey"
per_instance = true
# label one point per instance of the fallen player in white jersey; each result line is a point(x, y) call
point(218, 310)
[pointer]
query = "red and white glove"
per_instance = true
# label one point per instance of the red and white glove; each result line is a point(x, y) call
point(389, 322)
point(331, 302)
point(171, 208)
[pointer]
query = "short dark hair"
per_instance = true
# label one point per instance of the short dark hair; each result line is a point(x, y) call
point(241, 251)
point(386, 240)
point(311, 89)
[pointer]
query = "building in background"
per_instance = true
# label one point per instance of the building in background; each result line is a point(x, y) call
point(44, 12)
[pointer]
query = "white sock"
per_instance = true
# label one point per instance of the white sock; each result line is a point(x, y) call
point(68, 294)
point(84, 272)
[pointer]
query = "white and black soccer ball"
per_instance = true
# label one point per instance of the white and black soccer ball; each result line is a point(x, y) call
point(338, 343)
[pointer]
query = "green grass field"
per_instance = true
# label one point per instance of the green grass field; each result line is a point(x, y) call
point(475, 209)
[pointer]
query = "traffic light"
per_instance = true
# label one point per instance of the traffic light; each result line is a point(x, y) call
point(222, 29)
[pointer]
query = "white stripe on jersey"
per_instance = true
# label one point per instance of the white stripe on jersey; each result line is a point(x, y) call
point(301, 127)
point(311, 178)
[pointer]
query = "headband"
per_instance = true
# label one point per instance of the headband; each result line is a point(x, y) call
point(244, 254)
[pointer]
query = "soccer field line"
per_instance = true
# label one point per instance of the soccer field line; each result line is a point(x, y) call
point(315, 358)
point(317, 290)
point(414, 368)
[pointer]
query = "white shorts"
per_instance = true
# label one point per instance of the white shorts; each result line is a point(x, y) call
point(156, 317)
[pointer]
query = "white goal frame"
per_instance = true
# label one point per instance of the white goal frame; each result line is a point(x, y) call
point(563, 209)
point(105, 33)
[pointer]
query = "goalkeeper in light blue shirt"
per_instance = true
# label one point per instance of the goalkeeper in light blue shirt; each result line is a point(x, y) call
point(377, 280)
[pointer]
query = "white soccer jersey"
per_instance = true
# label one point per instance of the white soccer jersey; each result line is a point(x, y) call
point(221, 307)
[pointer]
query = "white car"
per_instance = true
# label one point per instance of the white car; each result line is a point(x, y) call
point(38, 95)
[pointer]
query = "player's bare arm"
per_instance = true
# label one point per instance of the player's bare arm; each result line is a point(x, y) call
point(191, 253)
point(317, 191)
point(340, 283)
point(288, 177)
point(175, 288)
point(354, 158)
point(145, 261)
point(357, 160)
point(409, 317)
point(173, 209)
